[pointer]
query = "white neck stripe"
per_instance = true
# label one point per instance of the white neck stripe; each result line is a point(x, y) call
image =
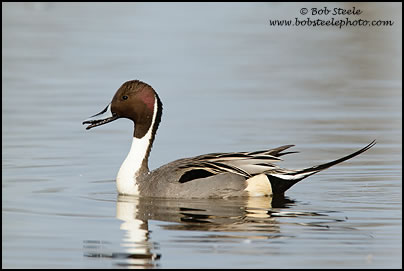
point(126, 180)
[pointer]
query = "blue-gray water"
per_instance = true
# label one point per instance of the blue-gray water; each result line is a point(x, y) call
point(229, 82)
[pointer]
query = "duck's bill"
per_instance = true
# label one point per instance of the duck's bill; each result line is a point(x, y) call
point(101, 118)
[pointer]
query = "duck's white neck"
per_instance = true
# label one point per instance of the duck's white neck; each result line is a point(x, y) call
point(136, 163)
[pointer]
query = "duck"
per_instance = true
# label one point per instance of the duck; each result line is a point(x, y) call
point(212, 175)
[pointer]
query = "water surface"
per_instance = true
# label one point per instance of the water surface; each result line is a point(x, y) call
point(228, 82)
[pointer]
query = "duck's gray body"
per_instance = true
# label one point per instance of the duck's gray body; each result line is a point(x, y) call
point(162, 183)
point(214, 175)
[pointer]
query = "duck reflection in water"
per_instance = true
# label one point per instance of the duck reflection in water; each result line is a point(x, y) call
point(242, 219)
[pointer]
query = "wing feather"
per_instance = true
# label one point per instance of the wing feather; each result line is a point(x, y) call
point(246, 164)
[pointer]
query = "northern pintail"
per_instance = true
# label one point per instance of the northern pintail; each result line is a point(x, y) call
point(215, 175)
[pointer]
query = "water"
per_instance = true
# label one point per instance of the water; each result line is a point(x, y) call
point(228, 82)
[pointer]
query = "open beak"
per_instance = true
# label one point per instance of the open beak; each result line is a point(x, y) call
point(101, 118)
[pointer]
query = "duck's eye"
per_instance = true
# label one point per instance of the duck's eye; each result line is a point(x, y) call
point(124, 97)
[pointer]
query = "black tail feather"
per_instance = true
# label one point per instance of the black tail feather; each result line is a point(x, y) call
point(279, 186)
point(282, 182)
point(321, 167)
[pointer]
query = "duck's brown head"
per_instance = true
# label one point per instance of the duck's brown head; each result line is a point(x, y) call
point(134, 100)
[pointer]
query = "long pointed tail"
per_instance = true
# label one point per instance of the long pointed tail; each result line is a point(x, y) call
point(282, 181)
